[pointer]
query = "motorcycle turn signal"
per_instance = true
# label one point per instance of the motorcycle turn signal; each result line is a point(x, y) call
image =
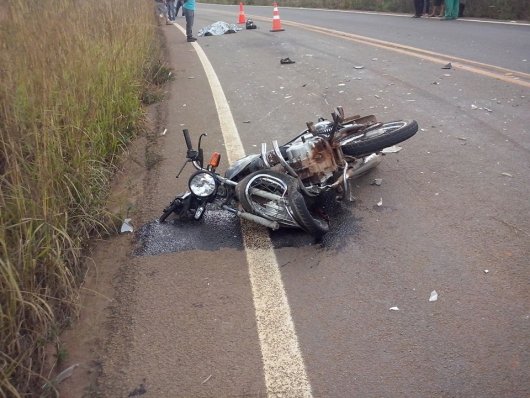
point(215, 160)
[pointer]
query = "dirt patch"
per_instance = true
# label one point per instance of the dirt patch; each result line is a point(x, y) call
point(103, 294)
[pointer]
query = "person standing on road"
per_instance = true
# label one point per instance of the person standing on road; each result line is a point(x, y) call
point(179, 4)
point(438, 9)
point(171, 10)
point(421, 8)
point(189, 6)
point(161, 11)
point(451, 10)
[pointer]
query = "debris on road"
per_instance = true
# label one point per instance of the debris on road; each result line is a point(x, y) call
point(392, 149)
point(377, 181)
point(434, 296)
point(380, 203)
point(163, 132)
point(286, 61)
point(394, 309)
point(507, 175)
point(359, 67)
point(486, 271)
point(126, 227)
point(448, 66)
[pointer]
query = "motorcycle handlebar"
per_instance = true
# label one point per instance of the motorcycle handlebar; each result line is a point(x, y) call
point(187, 138)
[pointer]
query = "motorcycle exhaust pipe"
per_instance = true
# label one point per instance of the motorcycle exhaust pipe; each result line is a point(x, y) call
point(251, 217)
point(368, 164)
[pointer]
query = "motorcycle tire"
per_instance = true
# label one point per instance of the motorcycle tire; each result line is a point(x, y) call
point(310, 222)
point(379, 138)
point(241, 186)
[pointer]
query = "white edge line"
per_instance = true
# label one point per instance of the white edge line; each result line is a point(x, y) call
point(283, 364)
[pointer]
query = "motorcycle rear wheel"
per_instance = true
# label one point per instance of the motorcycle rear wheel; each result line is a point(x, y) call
point(374, 140)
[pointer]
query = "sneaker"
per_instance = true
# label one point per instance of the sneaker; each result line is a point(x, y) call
point(191, 39)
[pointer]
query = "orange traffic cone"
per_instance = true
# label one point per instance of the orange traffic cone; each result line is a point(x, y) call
point(241, 14)
point(276, 23)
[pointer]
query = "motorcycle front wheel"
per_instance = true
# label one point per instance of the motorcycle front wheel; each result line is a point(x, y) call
point(313, 222)
point(374, 140)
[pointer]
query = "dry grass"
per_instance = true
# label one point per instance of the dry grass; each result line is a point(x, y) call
point(71, 77)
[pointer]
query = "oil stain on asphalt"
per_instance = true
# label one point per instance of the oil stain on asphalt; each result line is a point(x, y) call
point(221, 229)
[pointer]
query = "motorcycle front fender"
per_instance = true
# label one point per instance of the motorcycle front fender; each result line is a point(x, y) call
point(244, 166)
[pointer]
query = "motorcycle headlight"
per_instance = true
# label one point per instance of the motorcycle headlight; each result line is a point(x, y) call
point(202, 184)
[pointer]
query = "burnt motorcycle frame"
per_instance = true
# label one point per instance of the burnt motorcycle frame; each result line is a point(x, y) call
point(273, 187)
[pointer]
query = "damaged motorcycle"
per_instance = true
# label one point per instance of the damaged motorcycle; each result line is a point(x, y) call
point(280, 187)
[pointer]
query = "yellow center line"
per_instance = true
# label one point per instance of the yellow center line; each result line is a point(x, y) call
point(492, 71)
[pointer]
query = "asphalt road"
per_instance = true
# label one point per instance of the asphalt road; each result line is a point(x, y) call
point(455, 217)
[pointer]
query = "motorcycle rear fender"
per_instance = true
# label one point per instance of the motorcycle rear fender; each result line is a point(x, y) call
point(244, 166)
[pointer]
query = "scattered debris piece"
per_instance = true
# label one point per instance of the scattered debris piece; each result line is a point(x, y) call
point(359, 99)
point(341, 84)
point(462, 138)
point(163, 132)
point(182, 124)
point(246, 121)
point(474, 106)
point(205, 380)
point(359, 67)
point(377, 181)
point(448, 66)
point(380, 203)
point(434, 296)
point(374, 59)
point(376, 96)
point(392, 149)
point(508, 74)
point(488, 109)
point(447, 75)
point(191, 77)
point(286, 61)
point(435, 83)
point(507, 175)
point(394, 309)
point(486, 271)
point(126, 227)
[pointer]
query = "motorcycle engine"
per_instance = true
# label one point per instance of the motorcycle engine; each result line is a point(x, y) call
point(312, 159)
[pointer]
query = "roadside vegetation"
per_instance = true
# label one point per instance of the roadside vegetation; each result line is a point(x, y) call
point(73, 75)
point(494, 9)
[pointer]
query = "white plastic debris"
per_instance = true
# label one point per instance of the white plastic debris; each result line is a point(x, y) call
point(359, 67)
point(434, 296)
point(392, 149)
point(507, 175)
point(380, 203)
point(474, 106)
point(394, 309)
point(378, 181)
point(486, 271)
point(163, 132)
point(126, 227)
